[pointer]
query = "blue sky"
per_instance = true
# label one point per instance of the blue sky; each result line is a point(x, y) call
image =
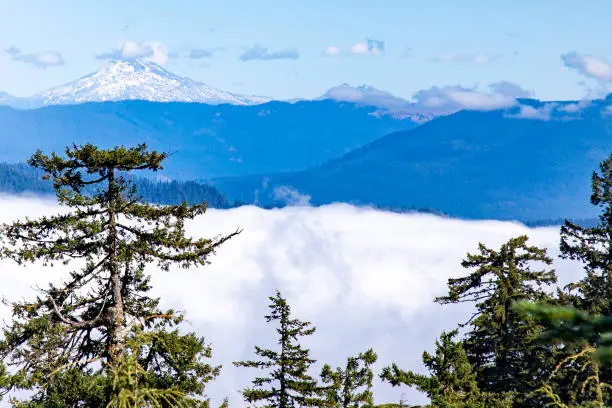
point(278, 48)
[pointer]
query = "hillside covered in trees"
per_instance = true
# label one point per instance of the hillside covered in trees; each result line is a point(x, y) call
point(21, 178)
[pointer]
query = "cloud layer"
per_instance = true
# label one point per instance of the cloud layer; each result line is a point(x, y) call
point(453, 98)
point(43, 60)
point(153, 51)
point(364, 278)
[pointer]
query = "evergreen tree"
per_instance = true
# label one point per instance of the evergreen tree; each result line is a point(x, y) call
point(593, 247)
point(345, 389)
point(451, 383)
point(69, 343)
point(501, 343)
point(578, 379)
point(288, 383)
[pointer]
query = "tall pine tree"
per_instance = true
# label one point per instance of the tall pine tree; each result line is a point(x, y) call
point(501, 343)
point(350, 386)
point(593, 247)
point(288, 383)
point(68, 344)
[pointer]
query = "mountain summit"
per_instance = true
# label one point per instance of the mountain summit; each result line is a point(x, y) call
point(124, 80)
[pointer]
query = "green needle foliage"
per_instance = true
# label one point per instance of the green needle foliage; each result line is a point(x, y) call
point(501, 343)
point(351, 386)
point(570, 325)
point(288, 383)
point(451, 383)
point(578, 377)
point(593, 247)
point(71, 343)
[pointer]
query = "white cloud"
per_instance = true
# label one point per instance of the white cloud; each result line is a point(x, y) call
point(568, 111)
point(258, 52)
point(291, 196)
point(540, 113)
point(364, 278)
point(454, 98)
point(360, 48)
point(45, 59)
point(589, 65)
point(331, 51)
point(368, 47)
point(153, 51)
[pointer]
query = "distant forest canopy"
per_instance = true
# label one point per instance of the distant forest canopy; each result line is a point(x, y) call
point(22, 178)
point(19, 178)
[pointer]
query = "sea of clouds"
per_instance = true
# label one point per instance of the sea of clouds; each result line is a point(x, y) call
point(364, 278)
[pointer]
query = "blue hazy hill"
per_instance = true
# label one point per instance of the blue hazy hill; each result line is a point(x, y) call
point(206, 140)
point(471, 164)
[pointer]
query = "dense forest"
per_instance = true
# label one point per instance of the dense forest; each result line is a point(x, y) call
point(21, 178)
point(98, 339)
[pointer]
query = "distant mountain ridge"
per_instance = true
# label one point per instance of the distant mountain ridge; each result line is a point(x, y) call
point(206, 140)
point(528, 163)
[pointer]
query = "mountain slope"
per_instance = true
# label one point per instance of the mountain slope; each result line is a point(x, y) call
point(127, 80)
point(469, 164)
point(207, 140)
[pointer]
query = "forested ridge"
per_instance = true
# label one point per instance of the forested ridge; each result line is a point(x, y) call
point(21, 178)
point(99, 339)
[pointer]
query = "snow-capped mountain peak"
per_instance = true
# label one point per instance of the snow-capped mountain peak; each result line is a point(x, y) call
point(136, 79)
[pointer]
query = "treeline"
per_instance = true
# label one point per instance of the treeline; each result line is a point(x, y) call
point(20, 178)
point(98, 339)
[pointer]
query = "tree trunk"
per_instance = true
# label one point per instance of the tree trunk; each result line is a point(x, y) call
point(116, 332)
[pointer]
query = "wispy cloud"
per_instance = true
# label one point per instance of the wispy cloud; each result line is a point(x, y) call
point(551, 111)
point(589, 66)
point(368, 47)
point(360, 49)
point(43, 60)
point(375, 47)
point(340, 267)
point(535, 113)
point(467, 58)
point(199, 53)
point(331, 51)
point(291, 196)
point(130, 50)
point(258, 52)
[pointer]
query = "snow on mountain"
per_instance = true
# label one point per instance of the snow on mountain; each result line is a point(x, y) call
point(123, 80)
